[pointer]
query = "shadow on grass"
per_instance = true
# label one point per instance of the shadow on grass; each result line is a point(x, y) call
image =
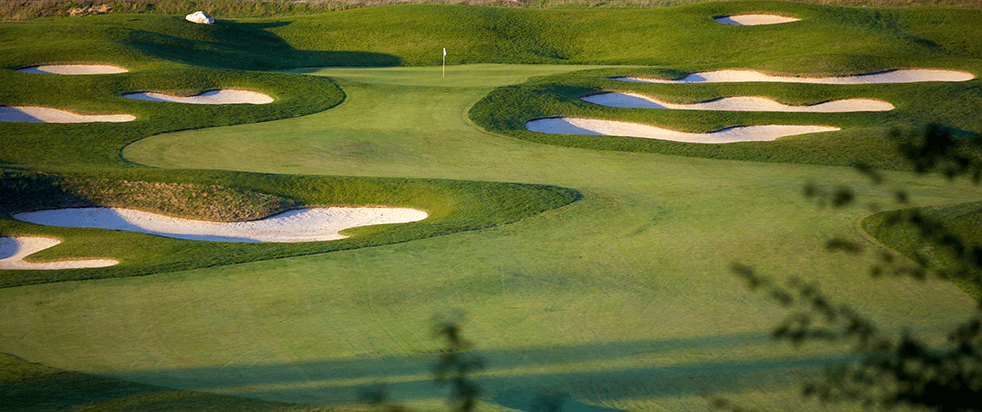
point(247, 46)
point(535, 380)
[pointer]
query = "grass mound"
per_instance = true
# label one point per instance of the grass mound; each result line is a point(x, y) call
point(962, 221)
point(98, 144)
point(453, 206)
point(862, 140)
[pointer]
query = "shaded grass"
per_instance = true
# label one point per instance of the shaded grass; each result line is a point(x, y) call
point(962, 220)
point(26, 386)
point(27, 192)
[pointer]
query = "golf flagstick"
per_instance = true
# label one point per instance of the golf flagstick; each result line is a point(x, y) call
point(444, 62)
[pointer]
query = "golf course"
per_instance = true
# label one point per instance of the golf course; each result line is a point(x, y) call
point(273, 212)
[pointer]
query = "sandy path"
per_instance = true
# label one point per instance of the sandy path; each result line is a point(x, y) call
point(755, 19)
point(13, 250)
point(572, 125)
point(74, 69)
point(34, 114)
point(302, 225)
point(737, 104)
point(222, 96)
point(892, 76)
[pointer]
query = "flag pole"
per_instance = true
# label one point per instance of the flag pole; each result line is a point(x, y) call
point(444, 62)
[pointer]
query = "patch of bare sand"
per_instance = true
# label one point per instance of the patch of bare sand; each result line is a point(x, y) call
point(221, 96)
point(74, 69)
point(302, 225)
point(737, 104)
point(581, 126)
point(13, 250)
point(755, 19)
point(34, 114)
point(892, 76)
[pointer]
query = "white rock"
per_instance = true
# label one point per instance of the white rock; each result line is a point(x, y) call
point(199, 17)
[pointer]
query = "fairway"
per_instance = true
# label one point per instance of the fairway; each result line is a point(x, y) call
point(629, 284)
point(602, 278)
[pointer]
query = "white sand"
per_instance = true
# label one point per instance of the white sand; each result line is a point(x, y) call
point(737, 104)
point(34, 114)
point(572, 125)
point(755, 19)
point(74, 69)
point(222, 96)
point(892, 76)
point(303, 225)
point(14, 249)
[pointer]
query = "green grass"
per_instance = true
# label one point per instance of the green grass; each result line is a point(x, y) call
point(25, 386)
point(453, 206)
point(961, 220)
point(632, 278)
point(622, 299)
point(864, 138)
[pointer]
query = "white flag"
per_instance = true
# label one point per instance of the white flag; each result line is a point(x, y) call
point(444, 52)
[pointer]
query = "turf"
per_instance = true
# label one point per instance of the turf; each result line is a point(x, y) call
point(960, 220)
point(621, 300)
point(613, 299)
point(25, 386)
point(864, 138)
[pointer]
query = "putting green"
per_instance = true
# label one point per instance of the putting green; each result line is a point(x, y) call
point(621, 300)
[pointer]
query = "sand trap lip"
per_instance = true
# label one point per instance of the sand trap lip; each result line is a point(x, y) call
point(74, 69)
point(220, 96)
point(581, 126)
point(755, 19)
point(35, 114)
point(737, 104)
point(13, 250)
point(892, 76)
point(302, 225)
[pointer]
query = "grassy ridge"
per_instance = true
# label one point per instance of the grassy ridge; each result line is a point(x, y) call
point(32, 9)
point(827, 41)
point(44, 145)
point(453, 206)
point(864, 138)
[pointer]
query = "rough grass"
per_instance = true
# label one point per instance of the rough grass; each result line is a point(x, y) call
point(31, 9)
point(25, 192)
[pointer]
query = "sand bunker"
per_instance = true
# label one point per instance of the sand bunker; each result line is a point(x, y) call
point(14, 249)
point(33, 114)
point(221, 96)
point(892, 76)
point(754, 19)
point(737, 104)
point(572, 125)
point(74, 69)
point(302, 225)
